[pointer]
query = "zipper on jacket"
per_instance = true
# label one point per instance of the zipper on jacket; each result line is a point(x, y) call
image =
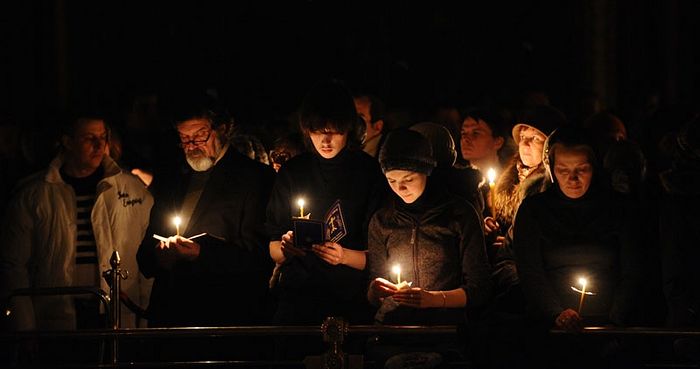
point(414, 246)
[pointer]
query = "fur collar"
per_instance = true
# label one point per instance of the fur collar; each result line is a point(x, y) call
point(510, 192)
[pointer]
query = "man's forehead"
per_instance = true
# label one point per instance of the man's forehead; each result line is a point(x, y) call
point(363, 105)
point(193, 125)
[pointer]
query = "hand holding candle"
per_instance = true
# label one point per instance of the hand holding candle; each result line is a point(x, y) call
point(396, 269)
point(583, 282)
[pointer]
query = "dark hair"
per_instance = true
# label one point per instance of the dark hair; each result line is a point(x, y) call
point(196, 105)
point(377, 108)
point(71, 120)
point(602, 123)
point(290, 143)
point(491, 118)
point(329, 105)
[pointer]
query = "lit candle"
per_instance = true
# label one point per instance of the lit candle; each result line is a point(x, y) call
point(491, 175)
point(582, 282)
point(397, 270)
point(301, 202)
point(177, 221)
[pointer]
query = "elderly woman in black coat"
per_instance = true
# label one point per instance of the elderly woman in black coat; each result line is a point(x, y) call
point(577, 229)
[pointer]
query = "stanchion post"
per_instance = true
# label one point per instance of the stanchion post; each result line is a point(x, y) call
point(334, 331)
point(113, 278)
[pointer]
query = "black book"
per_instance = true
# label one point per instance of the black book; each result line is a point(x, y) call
point(308, 232)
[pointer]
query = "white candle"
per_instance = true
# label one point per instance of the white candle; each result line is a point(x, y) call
point(397, 270)
point(582, 281)
point(301, 203)
point(177, 221)
point(491, 175)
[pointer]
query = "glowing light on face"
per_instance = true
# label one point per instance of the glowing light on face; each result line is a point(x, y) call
point(328, 143)
point(408, 185)
point(530, 146)
point(573, 171)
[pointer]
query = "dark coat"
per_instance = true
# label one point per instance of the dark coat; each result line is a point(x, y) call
point(439, 243)
point(557, 240)
point(680, 231)
point(507, 196)
point(310, 289)
point(227, 284)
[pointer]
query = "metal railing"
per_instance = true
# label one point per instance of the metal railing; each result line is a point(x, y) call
point(333, 331)
point(636, 331)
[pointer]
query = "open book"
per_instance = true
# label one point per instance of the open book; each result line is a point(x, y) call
point(309, 232)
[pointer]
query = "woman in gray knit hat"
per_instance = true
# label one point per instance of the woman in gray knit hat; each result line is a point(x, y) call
point(436, 240)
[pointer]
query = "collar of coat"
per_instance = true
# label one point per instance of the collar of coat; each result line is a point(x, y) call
point(53, 174)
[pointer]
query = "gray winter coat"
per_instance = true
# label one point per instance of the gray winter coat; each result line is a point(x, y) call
point(439, 245)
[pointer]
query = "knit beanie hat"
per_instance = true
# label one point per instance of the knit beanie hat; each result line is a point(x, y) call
point(440, 140)
point(406, 150)
point(542, 118)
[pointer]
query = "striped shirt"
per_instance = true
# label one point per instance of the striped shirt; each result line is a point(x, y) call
point(86, 263)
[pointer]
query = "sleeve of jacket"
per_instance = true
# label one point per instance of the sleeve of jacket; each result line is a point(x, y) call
point(15, 255)
point(377, 251)
point(162, 209)
point(678, 283)
point(377, 196)
point(630, 267)
point(528, 253)
point(278, 213)
point(476, 269)
point(247, 250)
point(146, 254)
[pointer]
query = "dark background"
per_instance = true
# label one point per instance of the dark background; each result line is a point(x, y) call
point(263, 56)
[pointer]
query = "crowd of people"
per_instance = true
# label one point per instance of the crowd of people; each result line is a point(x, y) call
point(509, 223)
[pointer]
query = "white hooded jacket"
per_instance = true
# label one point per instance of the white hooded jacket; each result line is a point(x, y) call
point(39, 234)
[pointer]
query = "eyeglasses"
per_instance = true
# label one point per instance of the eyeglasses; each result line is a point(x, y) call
point(198, 139)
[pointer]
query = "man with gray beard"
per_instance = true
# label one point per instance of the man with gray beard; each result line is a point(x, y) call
point(219, 279)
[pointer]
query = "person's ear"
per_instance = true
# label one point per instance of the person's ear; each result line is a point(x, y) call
point(65, 142)
point(379, 125)
point(498, 143)
point(224, 130)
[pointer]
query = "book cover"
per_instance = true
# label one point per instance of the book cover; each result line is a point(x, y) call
point(308, 232)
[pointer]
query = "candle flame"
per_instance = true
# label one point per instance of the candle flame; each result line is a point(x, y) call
point(301, 202)
point(491, 175)
point(396, 269)
point(177, 221)
point(583, 282)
